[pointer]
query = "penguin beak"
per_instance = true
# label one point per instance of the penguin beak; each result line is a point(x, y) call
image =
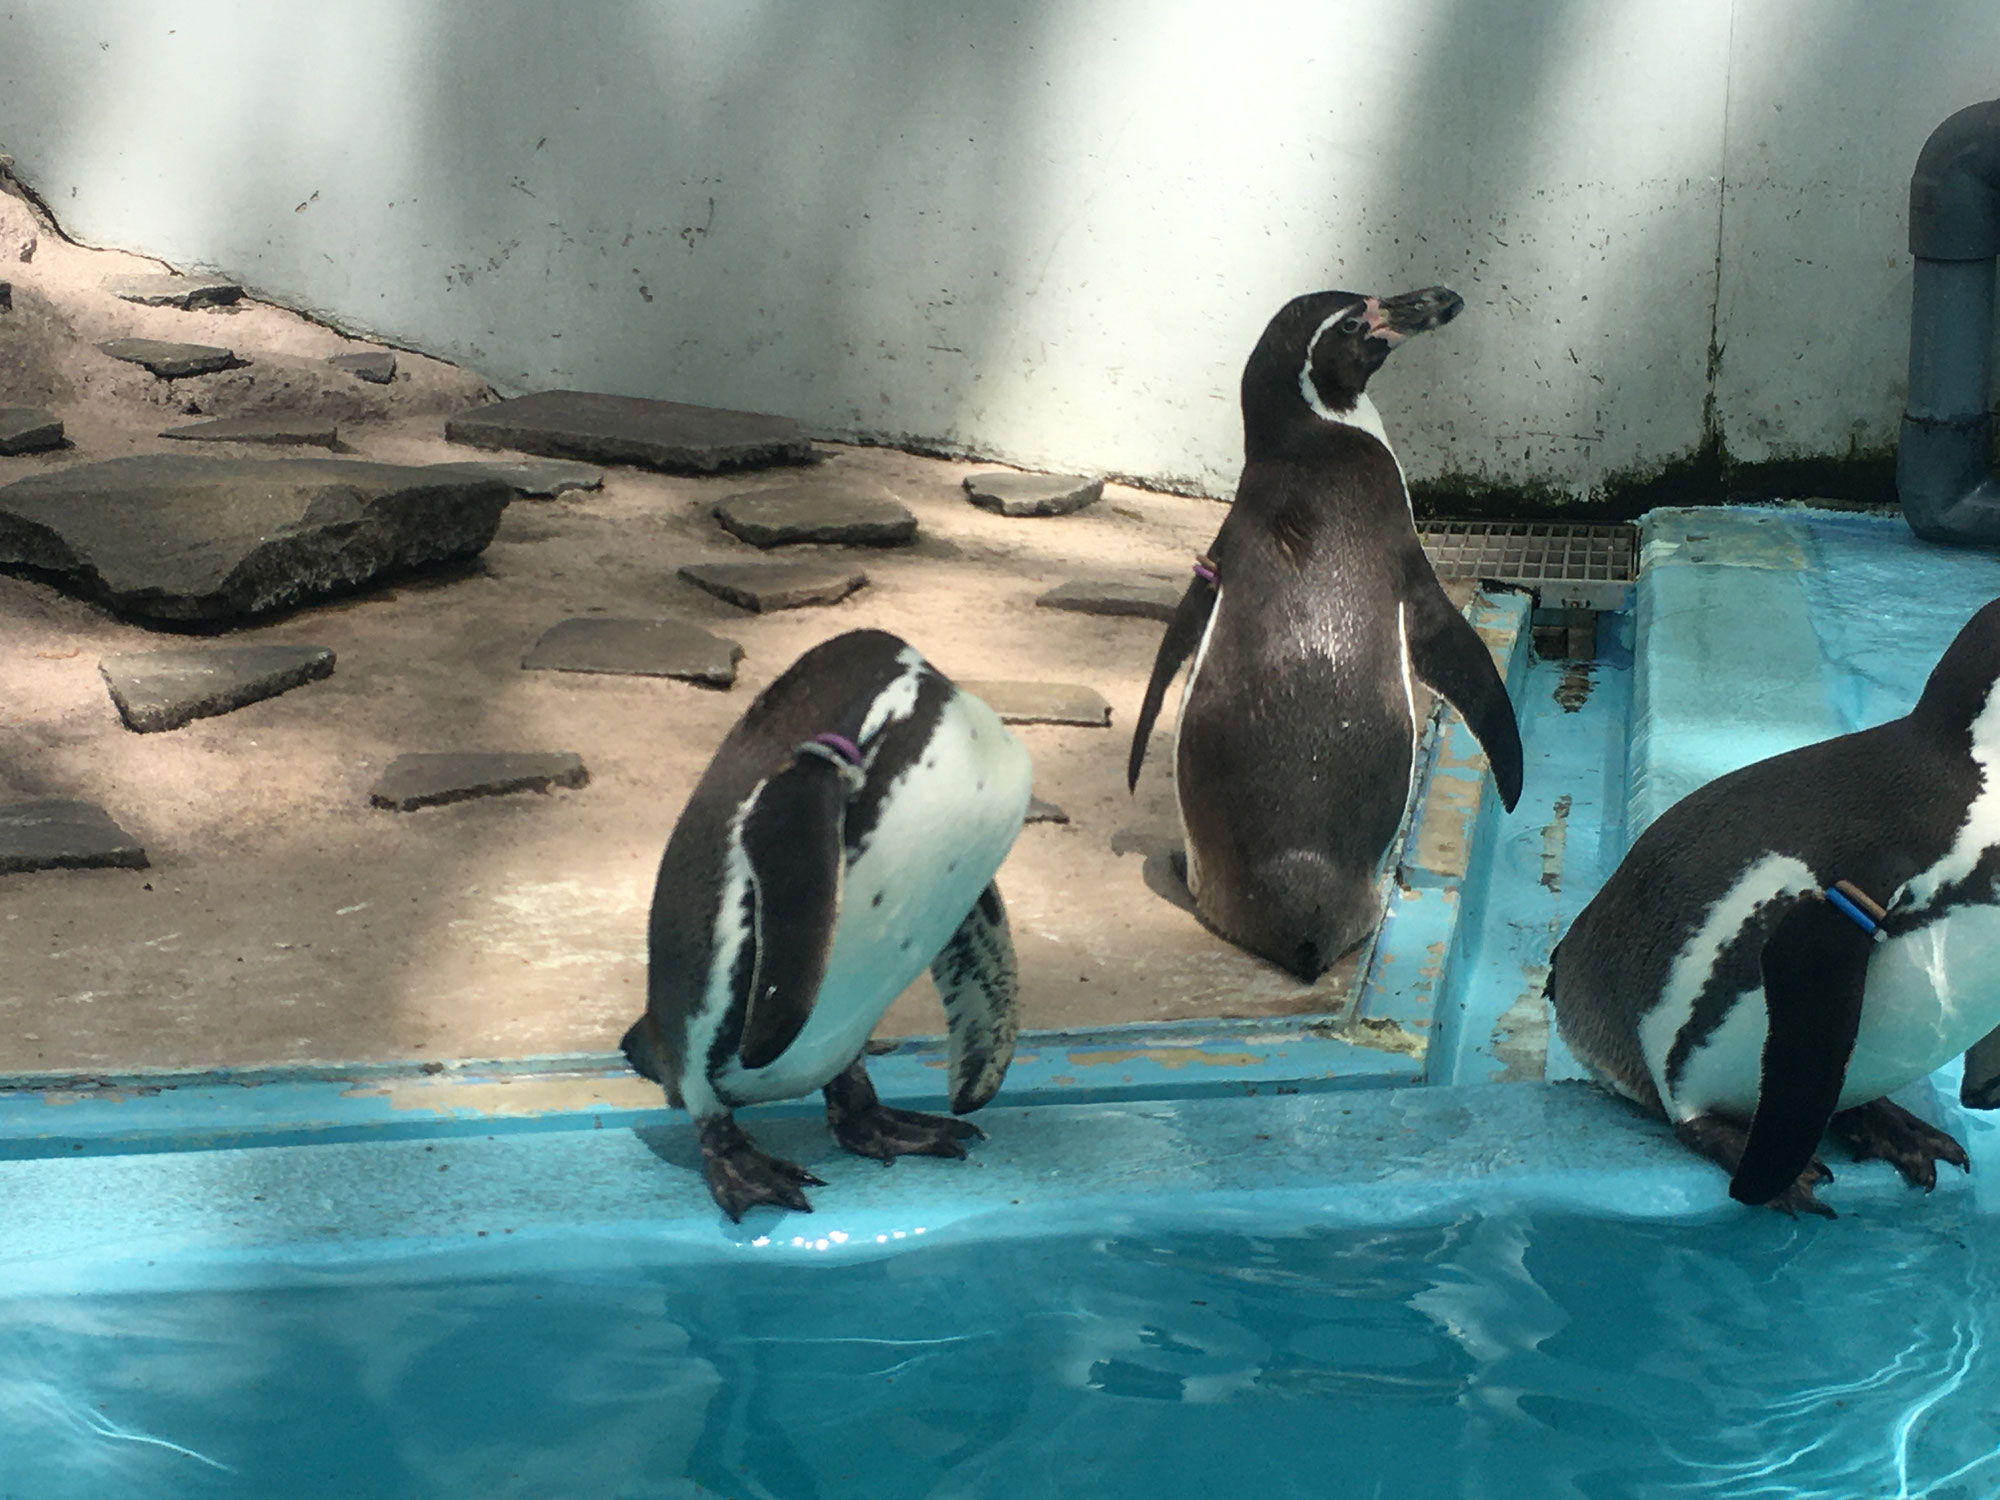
point(1393, 319)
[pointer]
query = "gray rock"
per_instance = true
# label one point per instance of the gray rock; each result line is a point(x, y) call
point(1147, 598)
point(170, 361)
point(180, 537)
point(177, 291)
point(157, 690)
point(636, 648)
point(57, 834)
point(1042, 702)
point(535, 478)
point(762, 586)
point(28, 429)
point(314, 432)
point(1032, 494)
point(817, 513)
point(1044, 812)
point(377, 366)
point(631, 430)
point(428, 779)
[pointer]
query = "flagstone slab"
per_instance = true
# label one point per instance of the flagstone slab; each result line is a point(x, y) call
point(159, 690)
point(377, 366)
point(60, 834)
point(1145, 598)
point(797, 513)
point(177, 291)
point(185, 537)
point(604, 429)
point(28, 429)
point(1013, 494)
point(433, 778)
point(764, 586)
point(636, 648)
point(533, 478)
point(171, 361)
point(313, 432)
point(1042, 702)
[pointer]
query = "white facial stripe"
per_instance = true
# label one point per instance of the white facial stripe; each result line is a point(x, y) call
point(1981, 829)
point(1306, 386)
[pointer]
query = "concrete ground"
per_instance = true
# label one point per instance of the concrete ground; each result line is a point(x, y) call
point(284, 919)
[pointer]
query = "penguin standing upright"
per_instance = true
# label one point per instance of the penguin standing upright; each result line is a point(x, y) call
point(1796, 939)
point(844, 837)
point(1307, 620)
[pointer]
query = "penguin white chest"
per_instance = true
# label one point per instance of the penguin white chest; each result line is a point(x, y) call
point(1931, 994)
point(943, 828)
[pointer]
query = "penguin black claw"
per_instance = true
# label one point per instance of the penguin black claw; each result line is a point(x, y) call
point(863, 1124)
point(1888, 1132)
point(741, 1177)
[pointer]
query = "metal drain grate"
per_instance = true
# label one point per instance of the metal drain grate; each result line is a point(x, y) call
point(1568, 565)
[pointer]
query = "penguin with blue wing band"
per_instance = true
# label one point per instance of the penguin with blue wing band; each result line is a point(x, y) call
point(1798, 939)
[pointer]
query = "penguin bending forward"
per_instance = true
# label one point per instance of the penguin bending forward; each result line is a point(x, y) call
point(1803, 936)
point(1307, 620)
point(843, 838)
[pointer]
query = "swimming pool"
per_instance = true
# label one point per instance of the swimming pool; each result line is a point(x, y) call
point(1407, 1258)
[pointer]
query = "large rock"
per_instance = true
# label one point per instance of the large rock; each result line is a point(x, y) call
point(29, 429)
point(817, 513)
point(764, 586)
point(632, 430)
point(177, 291)
point(58, 834)
point(432, 778)
point(170, 361)
point(157, 690)
point(185, 538)
point(636, 648)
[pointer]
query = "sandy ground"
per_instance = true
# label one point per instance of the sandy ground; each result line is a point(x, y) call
point(284, 919)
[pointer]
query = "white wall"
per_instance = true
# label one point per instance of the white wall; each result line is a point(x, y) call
point(1049, 232)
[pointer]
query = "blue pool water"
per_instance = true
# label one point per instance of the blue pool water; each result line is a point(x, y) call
point(1498, 1354)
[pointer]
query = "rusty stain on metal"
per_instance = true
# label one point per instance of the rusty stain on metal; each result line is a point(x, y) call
point(524, 1096)
point(1555, 838)
point(1378, 1034)
point(1168, 1057)
point(1520, 1040)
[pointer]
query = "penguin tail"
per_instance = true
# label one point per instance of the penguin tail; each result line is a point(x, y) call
point(645, 1050)
point(1304, 913)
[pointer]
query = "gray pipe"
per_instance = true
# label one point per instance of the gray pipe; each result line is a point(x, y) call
point(1947, 492)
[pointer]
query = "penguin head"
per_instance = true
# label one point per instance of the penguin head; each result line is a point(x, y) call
point(1960, 686)
point(1316, 355)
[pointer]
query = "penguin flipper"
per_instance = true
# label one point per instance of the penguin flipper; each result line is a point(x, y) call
point(980, 984)
point(1815, 971)
point(1980, 1088)
point(794, 838)
point(1447, 653)
point(1184, 633)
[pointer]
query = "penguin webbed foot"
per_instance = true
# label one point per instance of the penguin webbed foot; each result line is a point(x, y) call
point(1890, 1133)
point(741, 1177)
point(863, 1124)
point(1724, 1141)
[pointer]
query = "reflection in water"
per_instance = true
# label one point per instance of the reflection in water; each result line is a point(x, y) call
point(1500, 1354)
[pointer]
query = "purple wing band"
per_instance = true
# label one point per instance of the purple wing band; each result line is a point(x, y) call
point(840, 745)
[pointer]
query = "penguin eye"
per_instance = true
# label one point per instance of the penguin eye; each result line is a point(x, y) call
point(1351, 325)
